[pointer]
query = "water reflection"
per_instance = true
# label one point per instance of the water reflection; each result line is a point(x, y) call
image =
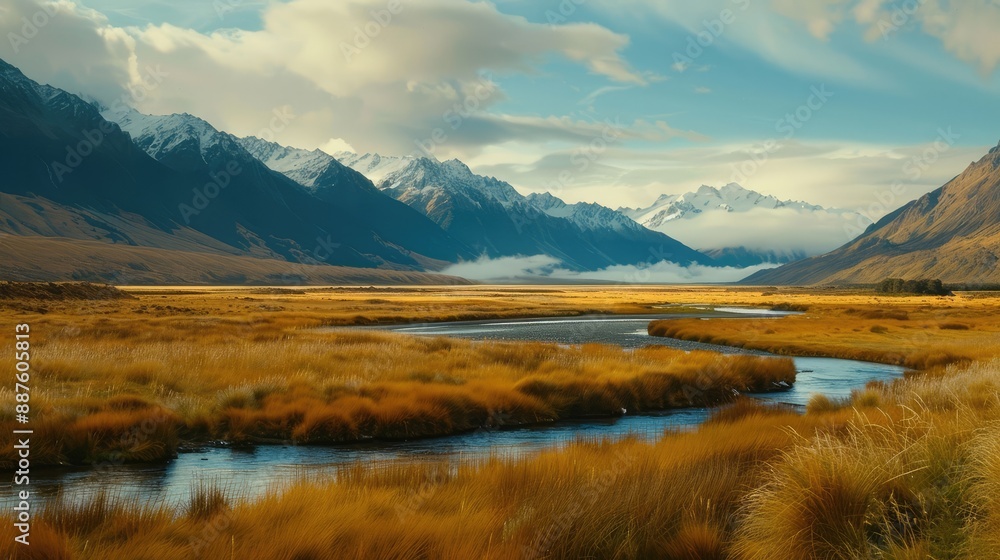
point(252, 472)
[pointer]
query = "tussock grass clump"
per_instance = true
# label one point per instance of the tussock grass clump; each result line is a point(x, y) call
point(785, 306)
point(744, 407)
point(895, 314)
point(207, 501)
point(821, 404)
point(935, 358)
point(984, 479)
point(915, 479)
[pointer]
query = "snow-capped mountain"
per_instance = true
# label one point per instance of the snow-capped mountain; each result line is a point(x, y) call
point(316, 170)
point(341, 217)
point(182, 141)
point(489, 215)
point(730, 198)
point(302, 166)
point(742, 227)
point(423, 176)
point(374, 166)
point(587, 215)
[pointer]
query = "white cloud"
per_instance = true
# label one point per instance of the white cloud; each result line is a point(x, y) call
point(799, 39)
point(966, 28)
point(485, 268)
point(819, 16)
point(335, 145)
point(381, 81)
point(544, 268)
point(790, 34)
point(664, 272)
point(781, 230)
point(832, 173)
point(68, 46)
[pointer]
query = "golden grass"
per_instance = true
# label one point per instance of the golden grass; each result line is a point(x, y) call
point(902, 470)
point(111, 393)
point(914, 477)
point(592, 499)
point(919, 333)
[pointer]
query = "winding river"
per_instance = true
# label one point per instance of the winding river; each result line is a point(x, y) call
point(252, 472)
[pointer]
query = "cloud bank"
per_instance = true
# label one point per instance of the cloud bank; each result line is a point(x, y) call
point(382, 76)
point(543, 268)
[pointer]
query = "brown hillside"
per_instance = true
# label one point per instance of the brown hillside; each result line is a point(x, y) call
point(952, 233)
point(35, 258)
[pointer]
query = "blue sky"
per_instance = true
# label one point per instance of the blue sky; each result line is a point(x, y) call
point(572, 81)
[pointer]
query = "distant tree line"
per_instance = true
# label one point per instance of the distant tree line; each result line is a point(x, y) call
point(922, 287)
point(974, 287)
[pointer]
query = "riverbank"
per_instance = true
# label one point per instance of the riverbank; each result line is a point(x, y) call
point(128, 379)
point(907, 468)
point(903, 470)
point(136, 396)
point(920, 333)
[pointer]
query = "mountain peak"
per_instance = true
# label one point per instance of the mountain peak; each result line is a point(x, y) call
point(545, 201)
point(305, 167)
point(159, 135)
point(5, 67)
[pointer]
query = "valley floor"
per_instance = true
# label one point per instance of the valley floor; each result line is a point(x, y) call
point(905, 470)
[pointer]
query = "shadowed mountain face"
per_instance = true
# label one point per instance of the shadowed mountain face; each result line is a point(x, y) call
point(175, 182)
point(495, 220)
point(952, 233)
point(330, 181)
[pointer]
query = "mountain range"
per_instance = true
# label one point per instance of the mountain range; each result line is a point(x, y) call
point(78, 171)
point(175, 183)
point(741, 227)
point(98, 193)
point(492, 217)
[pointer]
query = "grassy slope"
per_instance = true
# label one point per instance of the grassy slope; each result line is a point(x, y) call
point(34, 258)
